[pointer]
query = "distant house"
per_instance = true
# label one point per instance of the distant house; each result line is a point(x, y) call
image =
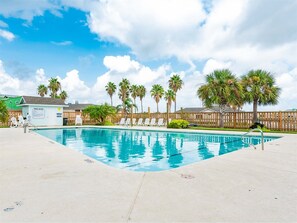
point(203, 109)
point(292, 109)
point(76, 107)
point(11, 102)
point(43, 111)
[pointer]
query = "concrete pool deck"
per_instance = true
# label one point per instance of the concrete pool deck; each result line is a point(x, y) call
point(43, 181)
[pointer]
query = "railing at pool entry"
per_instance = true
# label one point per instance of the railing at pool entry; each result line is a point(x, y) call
point(253, 130)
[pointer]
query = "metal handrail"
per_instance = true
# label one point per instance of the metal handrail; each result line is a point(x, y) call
point(262, 136)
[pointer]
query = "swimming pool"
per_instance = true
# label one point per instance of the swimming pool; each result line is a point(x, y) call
point(140, 150)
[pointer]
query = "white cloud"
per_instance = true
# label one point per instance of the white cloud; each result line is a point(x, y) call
point(3, 24)
point(124, 67)
point(138, 74)
point(28, 9)
point(40, 76)
point(63, 43)
point(228, 30)
point(212, 65)
point(7, 35)
point(288, 82)
point(75, 88)
point(10, 85)
point(224, 33)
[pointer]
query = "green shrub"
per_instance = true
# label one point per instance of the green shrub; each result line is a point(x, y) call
point(108, 123)
point(105, 123)
point(178, 124)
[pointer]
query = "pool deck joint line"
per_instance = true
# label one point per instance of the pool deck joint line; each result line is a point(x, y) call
point(135, 198)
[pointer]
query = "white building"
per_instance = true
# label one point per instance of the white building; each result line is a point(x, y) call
point(43, 111)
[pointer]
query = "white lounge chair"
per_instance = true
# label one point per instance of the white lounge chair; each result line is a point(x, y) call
point(21, 120)
point(134, 121)
point(153, 122)
point(146, 122)
point(78, 120)
point(160, 122)
point(13, 122)
point(140, 121)
point(122, 121)
point(128, 121)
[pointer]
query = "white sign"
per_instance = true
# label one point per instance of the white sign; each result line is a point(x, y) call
point(38, 113)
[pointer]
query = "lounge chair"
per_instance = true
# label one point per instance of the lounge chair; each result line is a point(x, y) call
point(146, 122)
point(78, 120)
point(13, 122)
point(21, 121)
point(140, 121)
point(133, 121)
point(122, 121)
point(160, 122)
point(128, 121)
point(153, 122)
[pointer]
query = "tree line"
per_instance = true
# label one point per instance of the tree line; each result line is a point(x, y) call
point(54, 87)
point(222, 88)
point(157, 92)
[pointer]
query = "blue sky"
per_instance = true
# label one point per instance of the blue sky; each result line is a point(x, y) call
point(61, 43)
point(88, 43)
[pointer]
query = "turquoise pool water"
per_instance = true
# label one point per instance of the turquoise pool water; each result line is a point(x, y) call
point(140, 150)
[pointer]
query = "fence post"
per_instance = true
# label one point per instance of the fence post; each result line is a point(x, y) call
point(280, 119)
point(149, 112)
point(167, 113)
point(131, 123)
point(234, 120)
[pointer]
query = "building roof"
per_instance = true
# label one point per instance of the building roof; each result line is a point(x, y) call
point(77, 106)
point(203, 109)
point(11, 102)
point(31, 100)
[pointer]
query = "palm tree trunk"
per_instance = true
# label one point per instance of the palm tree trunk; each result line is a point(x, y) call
point(175, 104)
point(157, 107)
point(135, 105)
point(110, 100)
point(255, 108)
point(141, 106)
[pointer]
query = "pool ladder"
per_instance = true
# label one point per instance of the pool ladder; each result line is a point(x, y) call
point(252, 130)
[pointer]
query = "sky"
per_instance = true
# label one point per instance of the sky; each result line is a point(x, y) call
point(87, 43)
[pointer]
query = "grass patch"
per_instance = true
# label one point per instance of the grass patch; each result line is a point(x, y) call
point(240, 130)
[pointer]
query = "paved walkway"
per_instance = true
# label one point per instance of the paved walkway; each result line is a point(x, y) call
point(42, 181)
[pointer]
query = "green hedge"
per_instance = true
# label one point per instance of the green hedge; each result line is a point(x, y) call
point(178, 124)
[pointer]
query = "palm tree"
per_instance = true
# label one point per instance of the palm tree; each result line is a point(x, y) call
point(54, 86)
point(4, 114)
point(157, 93)
point(134, 92)
point(110, 89)
point(259, 89)
point(169, 97)
point(63, 95)
point(141, 94)
point(222, 88)
point(124, 90)
point(99, 113)
point(42, 90)
point(175, 83)
point(127, 106)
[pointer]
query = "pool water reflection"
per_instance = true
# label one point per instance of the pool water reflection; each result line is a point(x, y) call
point(147, 150)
